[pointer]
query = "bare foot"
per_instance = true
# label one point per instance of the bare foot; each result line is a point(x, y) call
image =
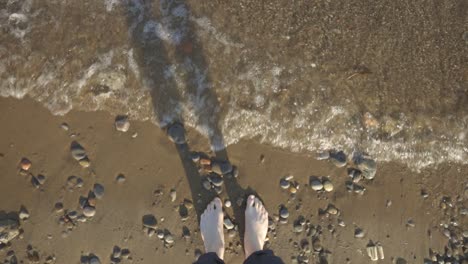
point(211, 228)
point(256, 226)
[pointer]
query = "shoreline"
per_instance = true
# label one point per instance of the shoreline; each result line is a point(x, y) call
point(150, 161)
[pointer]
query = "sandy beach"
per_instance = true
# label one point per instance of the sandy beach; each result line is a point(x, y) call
point(406, 212)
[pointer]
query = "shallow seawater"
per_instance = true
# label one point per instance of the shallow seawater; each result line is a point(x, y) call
point(169, 61)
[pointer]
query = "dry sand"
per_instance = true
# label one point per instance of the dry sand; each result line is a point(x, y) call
point(151, 162)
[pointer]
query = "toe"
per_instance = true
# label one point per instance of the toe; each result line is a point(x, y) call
point(258, 203)
point(250, 201)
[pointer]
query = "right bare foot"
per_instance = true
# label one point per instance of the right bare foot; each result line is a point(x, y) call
point(211, 228)
point(256, 226)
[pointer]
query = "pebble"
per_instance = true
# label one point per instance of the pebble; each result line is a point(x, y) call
point(116, 252)
point(25, 164)
point(188, 204)
point(206, 184)
point(149, 221)
point(195, 157)
point(327, 186)
point(227, 203)
point(323, 155)
point(316, 185)
point(41, 179)
point(77, 151)
point(338, 158)
point(173, 195)
point(231, 233)
point(169, 239)
point(218, 189)
point(341, 223)
point(89, 211)
point(284, 213)
point(35, 182)
point(359, 233)
point(98, 190)
point(84, 163)
point(368, 168)
point(65, 126)
point(150, 232)
point(284, 184)
point(176, 133)
point(216, 180)
point(121, 123)
point(410, 223)
point(23, 213)
point(120, 178)
point(465, 234)
point(125, 253)
point(298, 228)
point(292, 189)
point(94, 260)
point(228, 224)
point(355, 174)
point(58, 207)
point(332, 210)
point(235, 172)
point(160, 234)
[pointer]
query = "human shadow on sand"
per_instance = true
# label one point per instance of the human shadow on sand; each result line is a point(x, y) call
point(174, 69)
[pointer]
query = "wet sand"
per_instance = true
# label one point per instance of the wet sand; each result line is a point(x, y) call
point(150, 162)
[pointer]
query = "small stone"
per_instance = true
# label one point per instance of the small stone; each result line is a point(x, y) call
point(359, 233)
point(84, 163)
point(227, 203)
point(332, 210)
point(121, 123)
point(316, 185)
point(216, 180)
point(35, 182)
point(292, 189)
point(338, 158)
point(188, 204)
point(89, 211)
point(98, 190)
point(195, 157)
point(206, 184)
point(41, 179)
point(298, 228)
point(94, 260)
point(204, 161)
point(228, 224)
point(355, 175)
point(341, 223)
point(327, 186)
point(169, 239)
point(284, 213)
point(323, 155)
point(368, 167)
point(125, 253)
point(284, 184)
point(218, 189)
point(77, 151)
point(173, 195)
point(410, 223)
point(72, 214)
point(116, 252)
point(134, 135)
point(65, 126)
point(235, 172)
point(25, 164)
point(465, 234)
point(120, 178)
point(58, 207)
point(240, 201)
point(149, 221)
point(176, 133)
point(23, 214)
point(150, 232)
point(160, 234)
